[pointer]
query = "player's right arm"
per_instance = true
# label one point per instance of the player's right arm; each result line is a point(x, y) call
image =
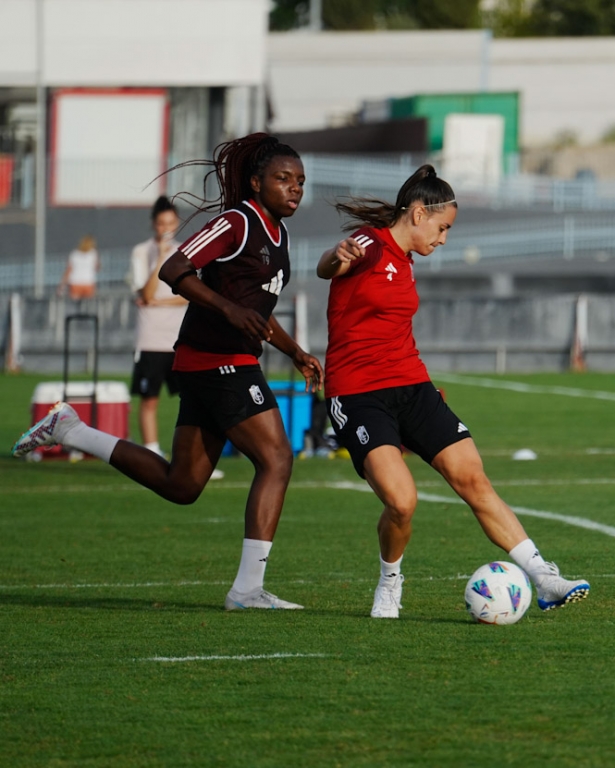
point(220, 238)
point(337, 261)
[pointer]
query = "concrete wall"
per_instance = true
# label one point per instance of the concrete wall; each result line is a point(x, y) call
point(321, 78)
point(453, 334)
point(317, 79)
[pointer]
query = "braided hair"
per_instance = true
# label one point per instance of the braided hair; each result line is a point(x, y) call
point(424, 187)
point(234, 163)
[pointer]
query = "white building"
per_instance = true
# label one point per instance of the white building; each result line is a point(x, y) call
point(319, 79)
point(131, 84)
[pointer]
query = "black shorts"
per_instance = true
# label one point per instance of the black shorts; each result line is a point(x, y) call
point(217, 400)
point(415, 417)
point(151, 371)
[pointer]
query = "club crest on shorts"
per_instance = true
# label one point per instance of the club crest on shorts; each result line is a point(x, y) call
point(363, 435)
point(256, 394)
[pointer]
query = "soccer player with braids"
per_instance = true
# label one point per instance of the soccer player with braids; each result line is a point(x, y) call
point(231, 272)
point(378, 390)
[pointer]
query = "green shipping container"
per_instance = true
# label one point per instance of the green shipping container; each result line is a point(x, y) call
point(435, 107)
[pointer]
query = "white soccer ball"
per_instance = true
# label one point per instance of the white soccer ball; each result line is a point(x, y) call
point(498, 593)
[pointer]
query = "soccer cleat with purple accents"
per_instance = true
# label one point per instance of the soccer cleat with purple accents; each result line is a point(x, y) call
point(258, 598)
point(555, 591)
point(50, 430)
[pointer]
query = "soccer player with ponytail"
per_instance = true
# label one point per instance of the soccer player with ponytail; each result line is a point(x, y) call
point(379, 393)
point(231, 272)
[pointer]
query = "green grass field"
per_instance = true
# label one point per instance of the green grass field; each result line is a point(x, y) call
point(115, 649)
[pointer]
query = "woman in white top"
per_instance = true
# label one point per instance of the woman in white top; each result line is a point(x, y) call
point(81, 270)
point(159, 316)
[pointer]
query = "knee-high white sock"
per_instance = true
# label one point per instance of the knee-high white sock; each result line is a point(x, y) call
point(390, 570)
point(527, 556)
point(251, 573)
point(90, 440)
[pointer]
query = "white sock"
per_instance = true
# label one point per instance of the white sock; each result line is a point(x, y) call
point(527, 556)
point(90, 440)
point(390, 570)
point(251, 573)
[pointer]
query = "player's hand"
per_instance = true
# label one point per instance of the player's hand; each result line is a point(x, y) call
point(165, 245)
point(249, 322)
point(348, 250)
point(310, 368)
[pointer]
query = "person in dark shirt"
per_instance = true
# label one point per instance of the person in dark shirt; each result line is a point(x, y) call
point(232, 273)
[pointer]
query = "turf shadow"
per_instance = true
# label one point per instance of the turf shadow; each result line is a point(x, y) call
point(105, 603)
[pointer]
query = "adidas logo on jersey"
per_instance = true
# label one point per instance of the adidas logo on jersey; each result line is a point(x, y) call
point(390, 268)
point(276, 285)
point(461, 428)
point(364, 240)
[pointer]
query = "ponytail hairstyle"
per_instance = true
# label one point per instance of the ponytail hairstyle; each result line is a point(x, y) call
point(422, 188)
point(161, 205)
point(234, 163)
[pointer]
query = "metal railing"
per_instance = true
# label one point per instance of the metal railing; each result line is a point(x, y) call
point(17, 274)
point(105, 182)
point(566, 237)
point(335, 175)
point(559, 234)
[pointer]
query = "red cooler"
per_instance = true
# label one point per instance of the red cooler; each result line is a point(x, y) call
point(112, 408)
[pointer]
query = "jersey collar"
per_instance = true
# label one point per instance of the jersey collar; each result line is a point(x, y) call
point(275, 233)
point(386, 235)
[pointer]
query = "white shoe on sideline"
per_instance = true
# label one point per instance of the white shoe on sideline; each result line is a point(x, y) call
point(217, 474)
point(258, 598)
point(555, 591)
point(50, 430)
point(387, 598)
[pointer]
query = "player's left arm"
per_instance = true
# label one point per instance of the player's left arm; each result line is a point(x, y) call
point(308, 365)
point(338, 260)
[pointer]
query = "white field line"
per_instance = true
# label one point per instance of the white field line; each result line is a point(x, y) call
point(570, 481)
point(354, 485)
point(338, 577)
point(121, 585)
point(579, 522)
point(111, 488)
point(254, 657)
point(225, 486)
point(518, 386)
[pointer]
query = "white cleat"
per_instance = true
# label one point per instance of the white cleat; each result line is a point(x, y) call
point(258, 598)
point(50, 430)
point(555, 591)
point(217, 474)
point(387, 598)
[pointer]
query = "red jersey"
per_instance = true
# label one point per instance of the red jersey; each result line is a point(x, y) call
point(371, 345)
point(244, 258)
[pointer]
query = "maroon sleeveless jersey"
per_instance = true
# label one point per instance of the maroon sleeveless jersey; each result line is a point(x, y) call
point(240, 259)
